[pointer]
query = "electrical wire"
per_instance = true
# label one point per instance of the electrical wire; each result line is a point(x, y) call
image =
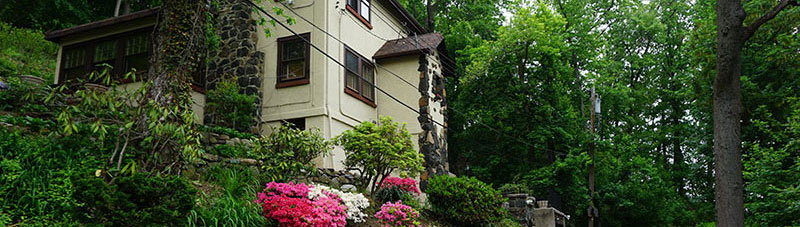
point(394, 74)
point(331, 58)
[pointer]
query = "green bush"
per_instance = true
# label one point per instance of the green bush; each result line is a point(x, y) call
point(136, 200)
point(37, 177)
point(378, 150)
point(225, 131)
point(233, 206)
point(513, 189)
point(231, 151)
point(288, 152)
point(23, 97)
point(25, 52)
point(465, 201)
point(226, 107)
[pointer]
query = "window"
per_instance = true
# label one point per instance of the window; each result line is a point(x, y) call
point(295, 123)
point(293, 61)
point(124, 52)
point(359, 77)
point(360, 9)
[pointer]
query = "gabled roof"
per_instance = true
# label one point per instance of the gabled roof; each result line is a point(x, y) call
point(55, 36)
point(414, 44)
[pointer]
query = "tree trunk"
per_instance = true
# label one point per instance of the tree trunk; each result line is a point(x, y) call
point(178, 44)
point(728, 189)
point(731, 36)
point(429, 19)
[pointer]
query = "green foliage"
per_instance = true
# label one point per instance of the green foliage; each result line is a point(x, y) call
point(511, 188)
point(231, 151)
point(135, 200)
point(465, 201)
point(23, 97)
point(225, 131)
point(378, 150)
point(233, 206)
point(289, 152)
point(227, 107)
point(38, 176)
point(25, 52)
point(393, 194)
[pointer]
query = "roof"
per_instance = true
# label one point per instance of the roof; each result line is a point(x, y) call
point(55, 36)
point(413, 44)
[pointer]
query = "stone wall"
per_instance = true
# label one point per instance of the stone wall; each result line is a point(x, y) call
point(432, 140)
point(237, 55)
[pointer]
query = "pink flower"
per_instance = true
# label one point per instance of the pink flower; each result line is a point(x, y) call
point(397, 214)
point(288, 204)
point(405, 184)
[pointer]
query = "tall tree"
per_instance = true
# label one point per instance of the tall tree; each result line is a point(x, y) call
point(731, 37)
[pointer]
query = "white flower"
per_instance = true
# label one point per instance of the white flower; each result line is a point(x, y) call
point(354, 202)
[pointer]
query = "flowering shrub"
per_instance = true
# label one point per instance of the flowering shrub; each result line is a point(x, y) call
point(354, 202)
point(296, 205)
point(397, 214)
point(393, 189)
point(406, 184)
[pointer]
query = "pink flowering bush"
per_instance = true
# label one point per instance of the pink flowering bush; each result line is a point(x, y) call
point(290, 205)
point(397, 214)
point(405, 184)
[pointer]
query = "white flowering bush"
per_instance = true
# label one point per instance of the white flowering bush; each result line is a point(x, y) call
point(355, 202)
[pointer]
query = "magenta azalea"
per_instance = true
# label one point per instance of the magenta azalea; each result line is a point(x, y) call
point(397, 214)
point(288, 203)
point(406, 184)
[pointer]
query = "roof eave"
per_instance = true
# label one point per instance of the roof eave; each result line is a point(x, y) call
point(55, 36)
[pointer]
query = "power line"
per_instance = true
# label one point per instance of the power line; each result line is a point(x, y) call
point(330, 57)
point(387, 70)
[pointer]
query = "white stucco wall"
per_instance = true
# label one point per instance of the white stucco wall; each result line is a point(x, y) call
point(323, 101)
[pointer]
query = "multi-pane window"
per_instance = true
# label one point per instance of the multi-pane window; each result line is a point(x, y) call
point(293, 60)
point(359, 77)
point(123, 52)
point(361, 7)
point(136, 53)
point(73, 63)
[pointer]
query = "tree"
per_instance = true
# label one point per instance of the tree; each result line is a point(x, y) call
point(378, 150)
point(731, 37)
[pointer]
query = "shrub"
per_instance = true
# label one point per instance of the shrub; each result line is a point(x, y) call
point(378, 150)
point(397, 214)
point(37, 177)
point(226, 210)
point(513, 189)
point(23, 97)
point(355, 202)
point(227, 107)
point(26, 52)
point(465, 201)
point(292, 205)
point(394, 188)
point(288, 152)
point(136, 200)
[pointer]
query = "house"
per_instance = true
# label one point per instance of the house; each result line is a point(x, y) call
point(392, 66)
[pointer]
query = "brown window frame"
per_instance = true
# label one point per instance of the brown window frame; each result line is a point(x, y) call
point(354, 9)
point(359, 94)
point(306, 79)
point(119, 58)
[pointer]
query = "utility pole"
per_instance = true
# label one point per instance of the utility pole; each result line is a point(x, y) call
point(592, 212)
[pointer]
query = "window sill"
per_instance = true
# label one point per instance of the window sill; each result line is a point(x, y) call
point(359, 97)
point(353, 11)
point(292, 83)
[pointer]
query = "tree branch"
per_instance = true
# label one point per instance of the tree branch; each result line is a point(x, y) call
point(751, 29)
